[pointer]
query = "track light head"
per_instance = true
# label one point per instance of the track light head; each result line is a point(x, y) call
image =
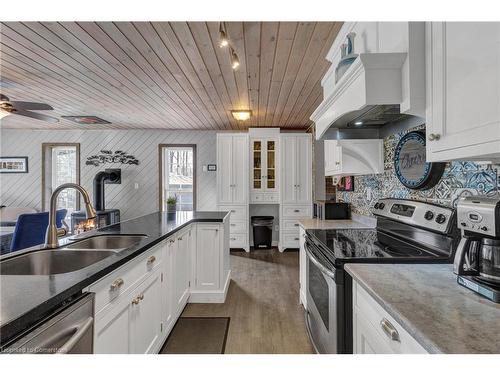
point(235, 61)
point(223, 39)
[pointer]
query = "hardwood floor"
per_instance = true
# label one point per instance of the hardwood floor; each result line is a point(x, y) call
point(263, 303)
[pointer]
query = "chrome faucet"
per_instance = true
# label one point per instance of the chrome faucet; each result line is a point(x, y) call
point(52, 231)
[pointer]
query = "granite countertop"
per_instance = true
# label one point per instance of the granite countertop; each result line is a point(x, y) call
point(26, 299)
point(335, 224)
point(426, 300)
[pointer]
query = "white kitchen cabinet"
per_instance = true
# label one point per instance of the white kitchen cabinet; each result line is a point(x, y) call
point(232, 173)
point(296, 186)
point(302, 268)
point(463, 90)
point(296, 168)
point(146, 319)
point(375, 331)
point(233, 184)
point(264, 170)
point(352, 157)
point(181, 254)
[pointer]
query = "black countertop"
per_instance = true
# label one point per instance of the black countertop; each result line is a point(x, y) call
point(27, 299)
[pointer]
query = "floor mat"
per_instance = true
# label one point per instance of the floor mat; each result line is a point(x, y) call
point(192, 335)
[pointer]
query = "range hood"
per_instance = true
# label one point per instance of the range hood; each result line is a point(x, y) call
point(369, 94)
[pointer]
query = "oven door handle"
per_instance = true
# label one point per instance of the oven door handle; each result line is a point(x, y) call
point(317, 263)
point(309, 332)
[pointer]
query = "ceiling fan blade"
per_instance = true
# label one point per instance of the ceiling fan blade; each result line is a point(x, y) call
point(35, 115)
point(31, 106)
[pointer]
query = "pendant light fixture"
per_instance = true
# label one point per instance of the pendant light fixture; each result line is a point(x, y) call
point(223, 39)
point(235, 61)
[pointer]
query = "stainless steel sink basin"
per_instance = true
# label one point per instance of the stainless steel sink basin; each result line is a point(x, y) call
point(51, 262)
point(107, 242)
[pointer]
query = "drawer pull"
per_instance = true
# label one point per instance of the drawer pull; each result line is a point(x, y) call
point(180, 239)
point(434, 137)
point(296, 224)
point(116, 284)
point(233, 225)
point(233, 238)
point(296, 238)
point(233, 210)
point(151, 260)
point(389, 329)
point(138, 299)
point(171, 241)
point(296, 210)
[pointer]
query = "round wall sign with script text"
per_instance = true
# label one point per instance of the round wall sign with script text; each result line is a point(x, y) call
point(410, 166)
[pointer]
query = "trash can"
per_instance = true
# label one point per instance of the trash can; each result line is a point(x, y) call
point(262, 231)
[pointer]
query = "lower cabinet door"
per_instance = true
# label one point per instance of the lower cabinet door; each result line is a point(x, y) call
point(112, 329)
point(366, 338)
point(146, 321)
point(182, 270)
point(208, 257)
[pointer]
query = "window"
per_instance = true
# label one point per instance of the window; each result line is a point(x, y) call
point(178, 171)
point(61, 165)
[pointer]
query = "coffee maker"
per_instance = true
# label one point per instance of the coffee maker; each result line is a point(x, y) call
point(477, 259)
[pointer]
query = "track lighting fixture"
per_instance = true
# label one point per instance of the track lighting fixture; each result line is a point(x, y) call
point(223, 39)
point(235, 61)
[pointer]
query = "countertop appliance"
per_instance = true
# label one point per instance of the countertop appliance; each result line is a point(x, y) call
point(104, 216)
point(331, 210)
point(477, 260)
point(69, 330)
point(407, 231)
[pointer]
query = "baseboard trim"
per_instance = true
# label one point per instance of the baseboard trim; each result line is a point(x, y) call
point(211, 296)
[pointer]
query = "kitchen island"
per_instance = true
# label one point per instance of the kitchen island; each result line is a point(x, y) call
point(426, 301)
point(27, 299)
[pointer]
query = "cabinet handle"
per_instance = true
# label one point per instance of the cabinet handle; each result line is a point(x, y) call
point(136, 301)
point(296, 210)
point(233, 210)
point(233, 238)
point(296, 238)
point(116, 284)
point(337, 163)
point(233, 225)
point(179, 239)
point(171, 241)
point(389, 329)
point(296, 224)
point(151, 259)
point(141, 296)
point(434, 137)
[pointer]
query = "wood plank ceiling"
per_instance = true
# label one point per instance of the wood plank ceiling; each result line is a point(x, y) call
point(165, 75)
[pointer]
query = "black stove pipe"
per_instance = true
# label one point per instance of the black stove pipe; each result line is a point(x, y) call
point(99, 180)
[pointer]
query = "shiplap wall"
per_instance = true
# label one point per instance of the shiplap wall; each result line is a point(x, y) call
point(25, 189)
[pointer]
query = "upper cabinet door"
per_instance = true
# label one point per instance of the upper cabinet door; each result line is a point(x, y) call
point(239, 158)
point(303, 156)
point(271, 175)
point(463, 90)
point(224, 169)
point(288, 168)
point(257, 164)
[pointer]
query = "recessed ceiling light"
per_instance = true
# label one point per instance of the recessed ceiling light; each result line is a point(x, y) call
point(358, 123)
point(235, 62)
point(242, 115)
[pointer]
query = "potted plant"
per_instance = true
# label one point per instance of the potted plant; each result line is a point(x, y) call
point(171, 204)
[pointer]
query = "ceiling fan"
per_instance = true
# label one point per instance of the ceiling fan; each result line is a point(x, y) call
point(8, 107)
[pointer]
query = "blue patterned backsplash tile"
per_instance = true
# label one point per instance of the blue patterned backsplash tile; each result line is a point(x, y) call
point(461, 178)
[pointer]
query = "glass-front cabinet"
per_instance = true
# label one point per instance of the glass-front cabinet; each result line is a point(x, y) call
point(263, 168)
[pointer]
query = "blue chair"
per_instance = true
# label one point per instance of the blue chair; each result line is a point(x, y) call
point(30, 229)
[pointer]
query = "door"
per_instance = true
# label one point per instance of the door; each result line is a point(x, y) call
point(224, 169)
point(289, 169)
point(239, 158)
point(112, 329)
point(463, 89)
point(207, 257)
point(181, 270)
point(303, 170)
point(146, 322)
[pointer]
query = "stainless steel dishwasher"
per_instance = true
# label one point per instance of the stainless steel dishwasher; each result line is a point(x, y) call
point(69, 330)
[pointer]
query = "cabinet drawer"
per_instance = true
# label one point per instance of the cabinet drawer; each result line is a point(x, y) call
point(297, 211)
point(290, 224)
point(237, 212)
point(126, 277)
point(264, 197)
point(238, 240)
point(376, 318)
point(291, 240)
point(238, 227)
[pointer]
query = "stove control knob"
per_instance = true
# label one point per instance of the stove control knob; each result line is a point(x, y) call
point(440, 219)
point(381, 206)
point(484, 228)
point(429, 215)
point(376, 206)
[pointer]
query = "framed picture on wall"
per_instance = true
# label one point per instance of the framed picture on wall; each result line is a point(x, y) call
point(346, 183)
point(13, 164)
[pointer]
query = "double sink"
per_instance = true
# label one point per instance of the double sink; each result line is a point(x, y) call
point(69, 258)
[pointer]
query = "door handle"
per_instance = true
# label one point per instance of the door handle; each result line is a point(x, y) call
point(389, 330)
point(81, 330)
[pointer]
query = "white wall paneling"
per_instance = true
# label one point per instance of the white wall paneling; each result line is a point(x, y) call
point(24, 189)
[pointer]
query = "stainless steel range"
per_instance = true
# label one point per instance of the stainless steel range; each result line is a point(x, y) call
point(407, 231)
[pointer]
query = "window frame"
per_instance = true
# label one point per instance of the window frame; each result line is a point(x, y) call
point(47, 147)
point(161, 149)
